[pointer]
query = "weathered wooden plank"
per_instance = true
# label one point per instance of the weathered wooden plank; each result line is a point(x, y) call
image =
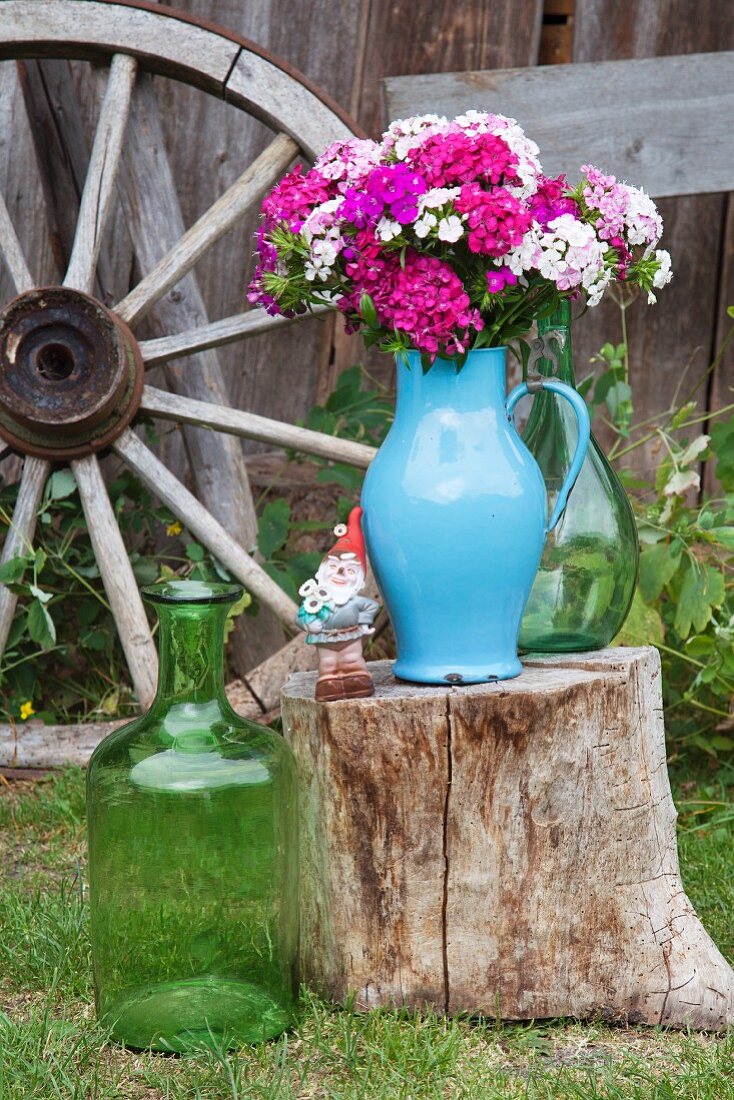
point(21, 186)
point(208, 229)
point(34, 745)
point(721, 385)
point(102, 174)
point(12, 253)
point(153, 214)
point(278, 373)
point(86, 29)
point(118, 578)
point(670, 343)
point(488, 34)
point(484, 34)
point(505, 848)
point(202, 525)
point(19, 537)
point(271, 94)
point(640, 120)
point(171, 406)
point(216, 334)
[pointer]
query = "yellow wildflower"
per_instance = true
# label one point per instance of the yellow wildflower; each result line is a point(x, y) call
point(26, 710)
point(174, 528)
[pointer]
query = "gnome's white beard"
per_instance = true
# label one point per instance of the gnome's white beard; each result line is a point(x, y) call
point(339, 594)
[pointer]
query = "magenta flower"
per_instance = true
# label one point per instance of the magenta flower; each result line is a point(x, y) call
point(499, 279)
point(397, 188)
point(496, 219)
point(424, 299)
point(445, 160)
point(550, 200)
point(294, 197)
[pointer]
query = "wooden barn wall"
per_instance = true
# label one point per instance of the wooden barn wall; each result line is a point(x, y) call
point(348, 48)
point(673, 342)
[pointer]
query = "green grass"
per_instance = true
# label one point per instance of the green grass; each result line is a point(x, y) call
point(51, 1047)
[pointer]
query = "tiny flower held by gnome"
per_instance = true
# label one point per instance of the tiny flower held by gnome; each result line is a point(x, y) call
point(336, 618)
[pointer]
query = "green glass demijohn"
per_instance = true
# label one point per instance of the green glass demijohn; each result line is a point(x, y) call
point(193, 851)
point(588, 571)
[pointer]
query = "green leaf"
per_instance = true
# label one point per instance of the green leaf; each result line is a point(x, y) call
point(273, 527)
point(61, 484)
point(11, 571)
point(195, 552)
point(722, 444)
point(701, 591)
point(643, 625)
point(39, 593)
point(367, 310)
point(40, 625)
point(724, 536)
point(658, 566)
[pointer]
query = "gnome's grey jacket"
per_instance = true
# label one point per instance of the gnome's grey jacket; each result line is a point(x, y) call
point(341, 624)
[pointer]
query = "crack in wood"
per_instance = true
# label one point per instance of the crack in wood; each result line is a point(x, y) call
point(445, 850)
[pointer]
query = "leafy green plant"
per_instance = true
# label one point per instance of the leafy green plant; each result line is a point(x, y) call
point(63, 660)
point(685, 598)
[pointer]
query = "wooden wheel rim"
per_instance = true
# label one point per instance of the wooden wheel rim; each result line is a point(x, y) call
point(131, 36)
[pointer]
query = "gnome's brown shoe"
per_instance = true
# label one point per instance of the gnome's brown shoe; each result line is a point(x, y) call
point(358, 686)
point(329, 689)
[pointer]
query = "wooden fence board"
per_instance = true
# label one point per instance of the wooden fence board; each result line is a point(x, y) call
point(679, 330)
point(640, 119)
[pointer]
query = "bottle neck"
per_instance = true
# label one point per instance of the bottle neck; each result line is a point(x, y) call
point(557, 327)
point(191, 653)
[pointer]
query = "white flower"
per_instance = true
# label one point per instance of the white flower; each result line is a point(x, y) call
point(307, 587)
point(340, 530)
point(314, 271)
point(387, 229)
point(312, 604)
point(450, 229)
point(664, 273)
point(437, 196)
point(424, 225)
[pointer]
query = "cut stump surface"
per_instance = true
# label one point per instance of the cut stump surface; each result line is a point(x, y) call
point(505, 848)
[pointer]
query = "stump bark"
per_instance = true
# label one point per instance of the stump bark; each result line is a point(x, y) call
point(504, 849)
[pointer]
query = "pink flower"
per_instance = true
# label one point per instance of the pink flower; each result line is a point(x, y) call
point(424, 298)
point(447, 159)
point(550, 201)
point(294, 197)
point(496, 219)
point(499, 279)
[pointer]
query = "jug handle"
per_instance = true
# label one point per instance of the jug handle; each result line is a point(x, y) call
point(535, 383)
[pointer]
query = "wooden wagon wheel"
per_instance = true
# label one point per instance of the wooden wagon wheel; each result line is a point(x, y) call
point(71, 371)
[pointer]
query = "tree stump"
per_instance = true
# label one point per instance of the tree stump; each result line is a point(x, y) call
point(506, 849)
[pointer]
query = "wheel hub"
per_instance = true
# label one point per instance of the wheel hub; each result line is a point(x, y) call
point(71, 374)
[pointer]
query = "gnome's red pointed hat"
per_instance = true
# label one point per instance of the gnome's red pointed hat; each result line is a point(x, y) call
point(350, 540)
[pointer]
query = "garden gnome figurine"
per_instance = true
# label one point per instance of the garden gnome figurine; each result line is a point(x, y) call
point(336, 618)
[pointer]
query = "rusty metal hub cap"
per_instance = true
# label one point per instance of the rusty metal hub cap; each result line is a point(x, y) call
point(71, 374)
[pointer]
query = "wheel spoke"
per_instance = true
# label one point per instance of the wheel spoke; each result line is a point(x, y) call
point(20, 535)
point(102, 174)
point(171, 406)
point(117, 576)
point(214, 335)
point(12, 253)
point(202, 525)
point(212, 225)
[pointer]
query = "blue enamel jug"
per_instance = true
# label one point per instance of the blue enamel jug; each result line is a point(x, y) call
point(455, 517)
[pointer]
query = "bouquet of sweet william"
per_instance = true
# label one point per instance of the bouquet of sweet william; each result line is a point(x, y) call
point(447, 236)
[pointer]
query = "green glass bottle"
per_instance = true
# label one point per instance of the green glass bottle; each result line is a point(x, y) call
point(588, 572)
point(193, 870)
